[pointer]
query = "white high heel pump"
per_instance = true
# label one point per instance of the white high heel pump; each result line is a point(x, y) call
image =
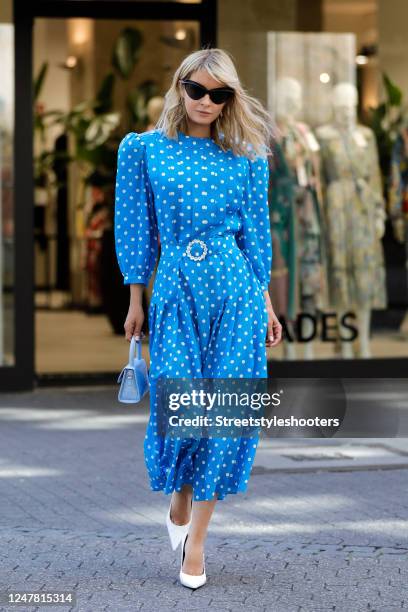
point(190, 580)
point(176, 532)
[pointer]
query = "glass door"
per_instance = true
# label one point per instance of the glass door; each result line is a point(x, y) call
point(95, 80)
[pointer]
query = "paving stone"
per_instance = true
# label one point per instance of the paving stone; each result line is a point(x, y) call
point(77, 513)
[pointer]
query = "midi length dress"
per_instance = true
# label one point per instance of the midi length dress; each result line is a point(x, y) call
point(207, 317)
point(353, 202)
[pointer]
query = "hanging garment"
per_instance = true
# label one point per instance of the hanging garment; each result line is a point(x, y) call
point(398, 188)
point(282, 216)
point(297, 141)
point(207, 315)
point(353, 201)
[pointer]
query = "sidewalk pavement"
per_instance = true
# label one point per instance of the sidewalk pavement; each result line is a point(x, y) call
point(322, 527)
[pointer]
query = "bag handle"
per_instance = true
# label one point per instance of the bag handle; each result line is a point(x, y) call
point(134, 343)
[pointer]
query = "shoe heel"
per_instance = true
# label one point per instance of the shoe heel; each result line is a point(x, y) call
point(189, 580)
point(176, 532)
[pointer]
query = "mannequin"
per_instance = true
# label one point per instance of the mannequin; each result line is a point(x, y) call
point(154, 109)
point(398, 191)
point(301, 151)
point(289, 99)
point(355, 214)
point(281, 202)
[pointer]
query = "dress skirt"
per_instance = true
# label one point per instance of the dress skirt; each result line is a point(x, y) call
point(207, 319)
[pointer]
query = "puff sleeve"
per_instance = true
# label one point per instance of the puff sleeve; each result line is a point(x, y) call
point(254, 236)
point(136, 232)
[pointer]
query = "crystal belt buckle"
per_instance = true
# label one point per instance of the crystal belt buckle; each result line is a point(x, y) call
point(196, 257)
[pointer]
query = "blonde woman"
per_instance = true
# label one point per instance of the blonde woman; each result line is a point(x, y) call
point(199, 179)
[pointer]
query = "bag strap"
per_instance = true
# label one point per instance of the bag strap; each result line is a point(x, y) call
point(134, 343)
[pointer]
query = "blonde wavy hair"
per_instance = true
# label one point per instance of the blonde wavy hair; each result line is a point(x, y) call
point(247, 127)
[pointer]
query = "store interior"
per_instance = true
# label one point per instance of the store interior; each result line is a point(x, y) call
point(95, 80)
point(105, 79)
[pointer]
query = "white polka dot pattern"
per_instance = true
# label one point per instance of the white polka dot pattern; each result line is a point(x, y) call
point(207, 318)
point(181, 188)
point(136, 230)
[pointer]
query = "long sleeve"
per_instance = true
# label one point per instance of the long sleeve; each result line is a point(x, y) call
point(254, 237)
point(136, 233)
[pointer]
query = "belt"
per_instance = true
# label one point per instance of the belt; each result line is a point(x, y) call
point(199, 247)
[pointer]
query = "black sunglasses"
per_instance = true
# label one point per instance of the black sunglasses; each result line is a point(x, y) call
point(195, 91)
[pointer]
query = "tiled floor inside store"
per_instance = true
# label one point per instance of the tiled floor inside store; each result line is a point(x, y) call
point(73, 341)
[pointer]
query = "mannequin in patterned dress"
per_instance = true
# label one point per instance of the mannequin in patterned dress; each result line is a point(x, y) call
point(398, 187)
point(355, 213)
point(301, 151)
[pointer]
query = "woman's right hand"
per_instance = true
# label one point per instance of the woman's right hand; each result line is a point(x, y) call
point(134, 321)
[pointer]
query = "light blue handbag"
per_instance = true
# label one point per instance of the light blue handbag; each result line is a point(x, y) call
point(134, 378)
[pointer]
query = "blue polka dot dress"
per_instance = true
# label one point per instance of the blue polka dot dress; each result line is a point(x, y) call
point(207, 314)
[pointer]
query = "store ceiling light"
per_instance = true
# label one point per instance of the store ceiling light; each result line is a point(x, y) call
point(71, 61)
point(361, 60)
point(180, 34)
point(324, 77)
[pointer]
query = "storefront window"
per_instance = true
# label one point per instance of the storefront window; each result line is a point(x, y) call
point(328, 203)
point(6, 195)
point(96, 80)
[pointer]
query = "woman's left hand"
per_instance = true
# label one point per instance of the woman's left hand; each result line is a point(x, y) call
point(274, 335)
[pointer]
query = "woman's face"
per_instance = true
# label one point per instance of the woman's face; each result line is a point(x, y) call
point(202, 112)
